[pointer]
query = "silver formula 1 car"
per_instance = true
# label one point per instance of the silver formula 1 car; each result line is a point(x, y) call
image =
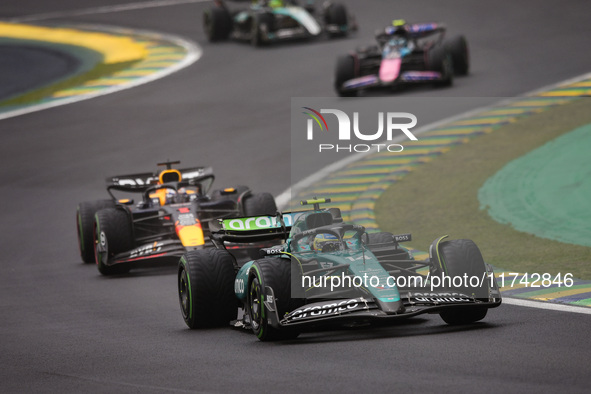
point(266, 22)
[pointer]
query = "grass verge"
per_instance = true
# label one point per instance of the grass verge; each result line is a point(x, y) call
point(441, 197)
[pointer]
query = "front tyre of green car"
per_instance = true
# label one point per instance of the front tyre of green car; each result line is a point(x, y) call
point(274, 273)
point(462, 258)
point(462, 316)
point(206, 288)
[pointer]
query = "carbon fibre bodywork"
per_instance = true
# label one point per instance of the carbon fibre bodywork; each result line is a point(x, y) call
point(378, 279)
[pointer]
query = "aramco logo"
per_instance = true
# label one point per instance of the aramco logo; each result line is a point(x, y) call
point(392, 123)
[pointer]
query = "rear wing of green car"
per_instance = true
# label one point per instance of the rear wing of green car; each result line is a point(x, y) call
point(253, 228)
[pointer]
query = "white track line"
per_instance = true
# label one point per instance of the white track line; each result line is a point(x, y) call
point(194, 52)
point(284, 198)
point(547, 305)
point(103, 10)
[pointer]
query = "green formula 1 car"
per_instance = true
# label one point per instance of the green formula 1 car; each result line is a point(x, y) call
point(325, 271)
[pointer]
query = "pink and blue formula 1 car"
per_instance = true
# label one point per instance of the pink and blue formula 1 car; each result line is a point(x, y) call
point(406, 54)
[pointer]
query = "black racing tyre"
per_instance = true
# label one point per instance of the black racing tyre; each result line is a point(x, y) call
point(217, 195)
point(461, 315)
point(217, 23)
point(206, 288)
point(345, 70)
point(462, 258)
point(439, 59)
point(261, 24)
point(112, 235)
point(259, 204)
point(84, 224)
point(336, 14)
point(458, 48)
point(275, 273)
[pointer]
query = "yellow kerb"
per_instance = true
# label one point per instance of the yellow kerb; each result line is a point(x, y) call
point(114, 49)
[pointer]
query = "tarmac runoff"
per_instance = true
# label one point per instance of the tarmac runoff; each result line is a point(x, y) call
point(154, 55)
point(355, 186)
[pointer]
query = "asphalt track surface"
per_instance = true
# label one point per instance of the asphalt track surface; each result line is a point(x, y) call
point(66, 328)
point(31, 66)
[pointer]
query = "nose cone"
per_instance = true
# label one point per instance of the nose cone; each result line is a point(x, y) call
point(390, 69)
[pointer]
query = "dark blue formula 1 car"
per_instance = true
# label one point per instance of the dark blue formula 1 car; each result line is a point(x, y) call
point(171, 217)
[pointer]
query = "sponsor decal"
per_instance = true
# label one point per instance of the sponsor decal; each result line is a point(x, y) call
point(403, 238)
point(329, 308)
point(361, 81)
point(146, 250)
point(440, 297)
point(273, 251)
point(421, 27)
point(362, 257)
point(239, 286)
point(326, 264)
point(186, 219)
point(135, 182)
point(420, 76)
point(257, 223)
point(181, 205)
point(193, 174)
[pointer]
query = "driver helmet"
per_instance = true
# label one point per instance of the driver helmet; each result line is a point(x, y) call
point(166, 196)
point(398, 22)
point(398, 27)
point(276, 3)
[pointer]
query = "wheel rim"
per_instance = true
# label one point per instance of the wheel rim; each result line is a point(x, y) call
point(184, 293)
point(256, 307)
point(101, 247)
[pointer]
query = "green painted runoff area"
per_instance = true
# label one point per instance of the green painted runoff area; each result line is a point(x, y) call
point(441, 196)
point(547, 192)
